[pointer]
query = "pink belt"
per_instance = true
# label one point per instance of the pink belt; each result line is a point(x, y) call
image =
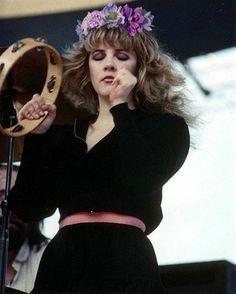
point(102, 217)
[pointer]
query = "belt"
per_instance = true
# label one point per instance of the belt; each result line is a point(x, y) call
point(102, 217)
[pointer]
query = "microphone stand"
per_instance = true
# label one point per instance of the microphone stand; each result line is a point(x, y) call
point(205, 91)
point(4, 241)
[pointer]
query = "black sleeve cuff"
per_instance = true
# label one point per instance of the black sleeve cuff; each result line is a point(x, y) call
point(119, 108)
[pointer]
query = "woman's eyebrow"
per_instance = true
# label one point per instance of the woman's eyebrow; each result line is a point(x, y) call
point(98, 50)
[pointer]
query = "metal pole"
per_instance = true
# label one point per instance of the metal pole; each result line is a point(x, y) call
point(4, 241)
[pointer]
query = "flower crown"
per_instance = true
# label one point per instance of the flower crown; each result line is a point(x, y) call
point(132, 20)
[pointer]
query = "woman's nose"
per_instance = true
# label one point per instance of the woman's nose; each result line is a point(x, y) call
point(110, 67)
point(109, 64)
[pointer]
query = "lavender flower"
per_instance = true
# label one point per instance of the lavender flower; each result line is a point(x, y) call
point(93, 20)
point(113, 15)
point(148, 19)
point(79, 30)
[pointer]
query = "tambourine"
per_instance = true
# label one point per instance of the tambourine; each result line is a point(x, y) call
point(27, 67)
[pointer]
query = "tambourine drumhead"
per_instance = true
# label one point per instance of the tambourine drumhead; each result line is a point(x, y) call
point(27, 67)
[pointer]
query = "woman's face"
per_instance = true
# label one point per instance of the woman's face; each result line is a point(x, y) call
point(104, 64)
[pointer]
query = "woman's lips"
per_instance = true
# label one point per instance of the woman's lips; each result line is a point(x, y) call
point(108, 79)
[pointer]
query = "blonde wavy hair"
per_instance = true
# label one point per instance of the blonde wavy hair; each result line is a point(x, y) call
point(159, 87)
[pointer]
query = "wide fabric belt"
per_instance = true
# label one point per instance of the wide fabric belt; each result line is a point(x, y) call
point(102, 217)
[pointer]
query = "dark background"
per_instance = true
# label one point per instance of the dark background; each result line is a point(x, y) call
point(185, 27)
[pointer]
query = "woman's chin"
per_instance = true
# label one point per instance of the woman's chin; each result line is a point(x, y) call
point(105, 94)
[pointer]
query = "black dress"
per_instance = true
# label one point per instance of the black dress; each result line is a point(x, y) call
point(123, 173)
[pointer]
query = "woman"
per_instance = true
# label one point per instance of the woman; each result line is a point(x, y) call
point(105, 173)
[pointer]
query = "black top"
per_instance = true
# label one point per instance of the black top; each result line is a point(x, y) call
point(122, 173)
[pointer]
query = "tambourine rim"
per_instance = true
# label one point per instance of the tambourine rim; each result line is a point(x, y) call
point(52, 70)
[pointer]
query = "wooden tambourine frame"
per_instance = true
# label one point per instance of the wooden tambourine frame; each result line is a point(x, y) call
point(52, 82)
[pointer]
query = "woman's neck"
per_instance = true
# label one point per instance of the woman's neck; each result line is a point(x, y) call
point(105, 105)
point(104, 110)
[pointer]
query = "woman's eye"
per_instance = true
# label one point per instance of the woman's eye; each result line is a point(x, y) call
point(98, 56)
point(122, 56)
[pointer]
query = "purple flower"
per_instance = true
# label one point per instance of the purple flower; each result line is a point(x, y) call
point(93, 20)
point(79, 30)
point(148, 19)
point(131, 20)
point(136, 20)
point(113, 15)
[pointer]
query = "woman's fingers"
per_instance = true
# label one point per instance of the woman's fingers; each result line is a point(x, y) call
point(33, 109)
point(47, 122)
point(37, 108)
point(123, 84)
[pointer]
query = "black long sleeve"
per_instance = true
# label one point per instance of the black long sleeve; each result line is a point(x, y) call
point(153, 151)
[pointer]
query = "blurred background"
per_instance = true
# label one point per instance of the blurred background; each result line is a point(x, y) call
point(199, 202)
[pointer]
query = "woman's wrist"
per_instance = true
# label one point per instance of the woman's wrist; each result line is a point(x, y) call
point(118, 109)
point(117, 102)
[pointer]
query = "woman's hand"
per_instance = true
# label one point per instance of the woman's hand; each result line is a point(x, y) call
point(35, 109)
point(123, 83)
